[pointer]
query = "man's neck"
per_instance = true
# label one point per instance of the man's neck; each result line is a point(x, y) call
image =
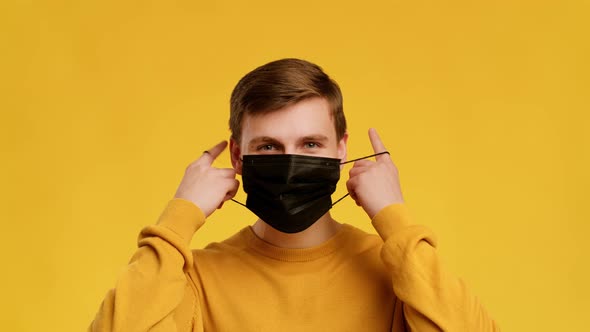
point(316, 234)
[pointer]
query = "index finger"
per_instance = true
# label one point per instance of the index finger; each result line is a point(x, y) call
point(378, 146)
point(210, 155)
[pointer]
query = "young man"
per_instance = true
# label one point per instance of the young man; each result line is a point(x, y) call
point(296, 268)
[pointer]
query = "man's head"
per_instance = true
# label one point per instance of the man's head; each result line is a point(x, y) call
point(287, 106)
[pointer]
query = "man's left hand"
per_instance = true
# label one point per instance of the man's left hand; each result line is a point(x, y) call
point(375, 184)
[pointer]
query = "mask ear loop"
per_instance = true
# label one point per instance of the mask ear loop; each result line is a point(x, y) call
point(339, 199)
point(351, 161)
point(242, 204)
point(361, 158)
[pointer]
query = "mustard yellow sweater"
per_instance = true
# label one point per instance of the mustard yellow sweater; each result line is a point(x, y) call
point(352, 282)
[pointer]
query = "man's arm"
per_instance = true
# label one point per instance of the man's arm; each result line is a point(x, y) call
point(155, 292)
point(433, 300)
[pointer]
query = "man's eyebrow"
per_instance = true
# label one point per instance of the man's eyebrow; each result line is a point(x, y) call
point(262, 139)
point(321, 138)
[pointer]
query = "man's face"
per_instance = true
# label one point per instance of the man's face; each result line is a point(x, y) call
point(305, 128)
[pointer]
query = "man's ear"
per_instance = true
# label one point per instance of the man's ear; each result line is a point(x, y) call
point(342, 148)
point(235, 155)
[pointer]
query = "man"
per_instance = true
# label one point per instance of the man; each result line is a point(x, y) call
point(296, 268)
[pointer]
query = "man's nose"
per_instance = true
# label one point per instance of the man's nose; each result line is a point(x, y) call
point(290, 150)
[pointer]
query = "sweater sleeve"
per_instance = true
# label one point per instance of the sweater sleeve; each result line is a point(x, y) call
point(433, 299)
point(154, 292)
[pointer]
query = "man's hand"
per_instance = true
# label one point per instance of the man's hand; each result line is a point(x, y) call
point(206, 186)
point(375, 184)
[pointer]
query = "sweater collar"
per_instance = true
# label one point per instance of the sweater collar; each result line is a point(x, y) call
point(264, 248)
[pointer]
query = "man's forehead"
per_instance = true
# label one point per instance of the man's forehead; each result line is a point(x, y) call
point(308, 118)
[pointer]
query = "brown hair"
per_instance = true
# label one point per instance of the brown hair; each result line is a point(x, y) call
point(282, 83)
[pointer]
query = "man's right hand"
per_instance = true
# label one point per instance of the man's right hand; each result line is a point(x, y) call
point(206, 186)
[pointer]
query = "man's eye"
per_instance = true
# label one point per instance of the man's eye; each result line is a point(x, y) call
point(266, 147)
point(311, 145)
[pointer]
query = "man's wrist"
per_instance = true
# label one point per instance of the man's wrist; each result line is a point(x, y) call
point(182, 217)
point(390, 219)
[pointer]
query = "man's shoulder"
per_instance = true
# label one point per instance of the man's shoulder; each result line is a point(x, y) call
point(235, 243)
point(360, 241)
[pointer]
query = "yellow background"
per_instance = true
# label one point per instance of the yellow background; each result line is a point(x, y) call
point(483, 105)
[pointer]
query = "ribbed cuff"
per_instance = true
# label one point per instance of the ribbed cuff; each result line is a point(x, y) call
point(183, 217)
point(391, 219)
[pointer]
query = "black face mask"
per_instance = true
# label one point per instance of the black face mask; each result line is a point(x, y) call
point(290, 192)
